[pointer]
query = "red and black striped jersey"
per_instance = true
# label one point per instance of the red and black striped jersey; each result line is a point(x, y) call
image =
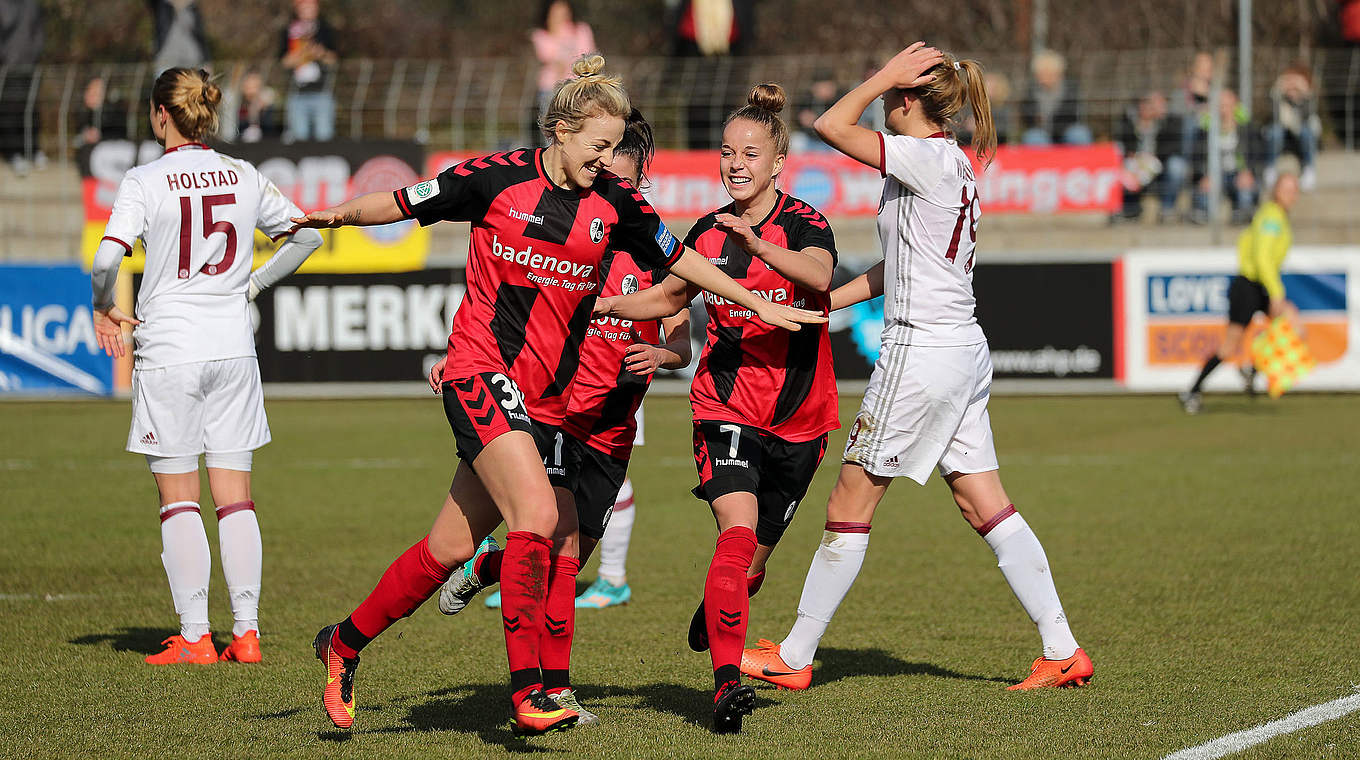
point(605, 398)
point(751, 373)
point(533, 265)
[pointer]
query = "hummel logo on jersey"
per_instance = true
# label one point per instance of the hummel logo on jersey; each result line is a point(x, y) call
point(150, 440)
point(527, 217)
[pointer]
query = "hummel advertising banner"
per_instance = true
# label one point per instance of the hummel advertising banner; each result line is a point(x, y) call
point(1173, 311)
point(47, 341)
point(1020, 180)
point(312, 175)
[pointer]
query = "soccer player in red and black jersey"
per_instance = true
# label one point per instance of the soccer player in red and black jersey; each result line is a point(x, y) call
point(618, 361)
point(542, 221)
point(763, 400)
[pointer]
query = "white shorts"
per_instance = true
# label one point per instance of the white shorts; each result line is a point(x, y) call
point(925, 407)
point(197, 408)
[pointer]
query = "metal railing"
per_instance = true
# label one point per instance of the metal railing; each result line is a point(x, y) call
point(487, 103)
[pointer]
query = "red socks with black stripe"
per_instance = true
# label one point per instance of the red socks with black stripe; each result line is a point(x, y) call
point(408, 582)
point(727, 601)
point(525, 574)
point(559, 619)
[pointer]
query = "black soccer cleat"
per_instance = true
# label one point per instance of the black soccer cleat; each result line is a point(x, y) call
point(732, 701)
point(698, 631)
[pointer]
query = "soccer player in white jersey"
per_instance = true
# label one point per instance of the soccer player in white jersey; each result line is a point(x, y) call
point(926, 404)
point(195, 380)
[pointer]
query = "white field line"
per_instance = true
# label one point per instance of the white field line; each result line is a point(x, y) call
point(1233, 743)
point(45, 597)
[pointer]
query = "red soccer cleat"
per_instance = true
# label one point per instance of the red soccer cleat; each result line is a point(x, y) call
point(181, 652)
point(1045, 673)
point(243, 648)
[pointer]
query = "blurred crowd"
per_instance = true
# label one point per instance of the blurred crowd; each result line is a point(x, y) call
point(1164, 136)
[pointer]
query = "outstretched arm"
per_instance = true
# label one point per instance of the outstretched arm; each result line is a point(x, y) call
point(659, 301)
point(366, 210)
point(866, 286)
point(699, 271)
point(285, 261)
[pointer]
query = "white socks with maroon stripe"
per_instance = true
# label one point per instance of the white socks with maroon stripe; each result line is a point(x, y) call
point(834, 568)
point(238, 538)
point(188, 564)
point(617, 534)
point(1023, 562)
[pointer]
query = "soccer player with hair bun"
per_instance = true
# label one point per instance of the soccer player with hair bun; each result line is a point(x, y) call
point(618, 361)
point(763, 399)
point(926, 403)
point(195, 379)
point(542, 222)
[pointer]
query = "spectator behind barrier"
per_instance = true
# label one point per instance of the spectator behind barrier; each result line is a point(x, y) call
point(307, 49)
point(248, 113)
point(1239, 152)
point(1294, 125)
point(559, 39)
point(1003, 111)
point(820, 95)
point(1150, 139)
point(179, 38)
point(1051, 111)
point(100, 117)
point(709, 29)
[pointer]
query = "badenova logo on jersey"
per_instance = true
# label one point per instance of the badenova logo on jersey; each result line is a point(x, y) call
point(546, 267)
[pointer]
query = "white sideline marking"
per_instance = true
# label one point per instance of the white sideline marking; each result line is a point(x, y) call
point(1241, 740)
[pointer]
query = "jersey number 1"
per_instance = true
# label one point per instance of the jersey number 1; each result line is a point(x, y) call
point(186, 235)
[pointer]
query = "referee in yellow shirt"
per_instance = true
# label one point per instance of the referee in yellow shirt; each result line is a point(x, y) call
point(1257, 287)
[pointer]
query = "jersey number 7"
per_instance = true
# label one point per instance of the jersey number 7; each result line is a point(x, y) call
point(186, 236)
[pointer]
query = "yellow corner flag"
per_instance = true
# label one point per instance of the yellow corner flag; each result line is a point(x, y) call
point(1281, 354)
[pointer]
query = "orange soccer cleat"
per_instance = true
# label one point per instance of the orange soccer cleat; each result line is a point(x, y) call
point(243, 648)
point(538, 714)
point(181, 652)
point(1045, 673)
point(764, 664)
point(338, 696)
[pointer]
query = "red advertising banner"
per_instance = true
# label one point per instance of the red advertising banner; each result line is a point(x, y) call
point(1020, 180)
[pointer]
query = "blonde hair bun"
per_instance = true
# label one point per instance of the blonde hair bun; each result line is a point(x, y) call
point(767, 97)
point(588, 65)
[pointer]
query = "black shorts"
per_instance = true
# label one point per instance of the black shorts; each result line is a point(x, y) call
point(735, 458)
point(483, 407)
point(1245, 298)
point(595, 479)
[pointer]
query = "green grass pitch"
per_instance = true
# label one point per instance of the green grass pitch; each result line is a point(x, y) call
point(1210, 565)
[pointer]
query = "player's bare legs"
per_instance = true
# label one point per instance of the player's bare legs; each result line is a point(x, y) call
point(984, 504)
point(238, 541)
point(188, 566)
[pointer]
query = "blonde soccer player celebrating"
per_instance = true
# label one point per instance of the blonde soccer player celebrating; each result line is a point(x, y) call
point(926, 404)
point(195, 380)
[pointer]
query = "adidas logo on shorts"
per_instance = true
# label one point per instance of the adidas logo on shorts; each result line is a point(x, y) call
point(891, 463)
point(150, 440)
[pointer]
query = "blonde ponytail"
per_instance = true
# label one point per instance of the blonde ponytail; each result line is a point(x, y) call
point(956, 84)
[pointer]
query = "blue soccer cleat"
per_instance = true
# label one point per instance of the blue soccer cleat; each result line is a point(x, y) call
point(464, 584)
point(603, 594)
